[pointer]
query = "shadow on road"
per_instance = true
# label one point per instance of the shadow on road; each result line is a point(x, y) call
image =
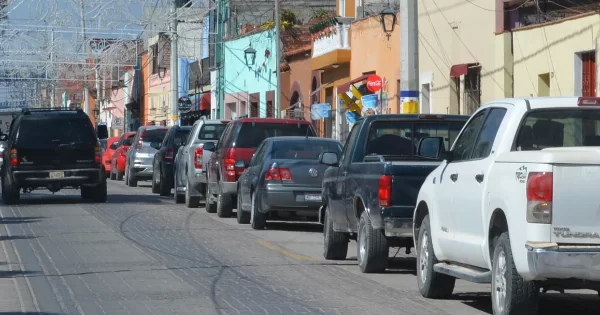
point(16, 237)
point(28, 313)
point(20, 220)
point(308, 227)
point(141, 199)
point(402, 265)
point(15, 273)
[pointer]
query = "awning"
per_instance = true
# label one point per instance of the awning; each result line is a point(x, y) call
point(346, 86)
point(205, 101)
point(459, 70)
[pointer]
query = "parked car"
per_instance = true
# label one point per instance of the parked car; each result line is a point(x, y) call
point(111, 146)
point(162, 179)
point(284, 175)
point(233, 152)
point(515, 204)
point(191, 161)
point(140, 155)
point(370, 191)
point(119, 157)
point(53, 149)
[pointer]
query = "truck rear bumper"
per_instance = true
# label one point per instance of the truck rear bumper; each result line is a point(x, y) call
point(397, 227)
point(563, 262)
point(73, 177)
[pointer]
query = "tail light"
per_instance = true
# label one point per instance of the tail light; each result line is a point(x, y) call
point(138, 145)
point(539, 197)
point(198, 156)
point(385, 190)
point(278, 173)
point(229, 164)
point(98, 155)
point(170, 154)
point(14, 161)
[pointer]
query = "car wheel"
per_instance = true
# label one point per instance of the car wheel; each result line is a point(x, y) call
point(335, 244)
point(211, 206)
point(10, 194)
point(224, 206)
point(243, 217)
point(511, 295)
point(432, 284)
point(176, 195)
point(372, 247)
point(155, 185)
point(132, 179)
point(126, 175)
point(100, 192)
point(258, 220)
point(113, 173)
point(86, 192)
point(190, 201)
point(165, 187)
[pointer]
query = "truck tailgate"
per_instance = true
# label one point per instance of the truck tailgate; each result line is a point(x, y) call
point(576, 204)
point(408, 177)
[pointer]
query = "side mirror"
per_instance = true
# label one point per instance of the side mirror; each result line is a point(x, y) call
point(155, 145)
point(3, 137)
point(431, 147)
point(114, 145)
point(126, 142)
point(209, 146)
point(239, 164)
point(329, 158)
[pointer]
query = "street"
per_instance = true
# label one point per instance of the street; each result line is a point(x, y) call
point(140, 253)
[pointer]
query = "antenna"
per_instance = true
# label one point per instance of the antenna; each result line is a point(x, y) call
point(307, 130)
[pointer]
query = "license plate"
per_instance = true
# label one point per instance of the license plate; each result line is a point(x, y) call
point(57, 174)
point(312, 197)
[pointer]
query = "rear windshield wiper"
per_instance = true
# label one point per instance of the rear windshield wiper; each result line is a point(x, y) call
point(71, 144)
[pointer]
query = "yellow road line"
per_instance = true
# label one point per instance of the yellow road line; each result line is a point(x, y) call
point(282, 251)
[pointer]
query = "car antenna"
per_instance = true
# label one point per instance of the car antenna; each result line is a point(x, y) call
point(307, 129)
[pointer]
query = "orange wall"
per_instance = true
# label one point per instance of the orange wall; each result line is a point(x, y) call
point(144, 92)
point(350, 8)
point(301, 73)
point(372, 51)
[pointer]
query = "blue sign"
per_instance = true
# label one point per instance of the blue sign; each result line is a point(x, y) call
point(369, 101)
point(320, 111)
point(351, 117)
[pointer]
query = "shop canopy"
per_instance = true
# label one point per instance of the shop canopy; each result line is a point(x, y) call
point(346, 86)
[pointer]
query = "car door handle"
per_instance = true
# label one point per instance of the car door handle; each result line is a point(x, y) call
point(479, 178)
point(345, 173)
point(454, 177)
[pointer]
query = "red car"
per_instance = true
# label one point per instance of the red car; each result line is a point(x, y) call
point(111, 145)
point(119, 156)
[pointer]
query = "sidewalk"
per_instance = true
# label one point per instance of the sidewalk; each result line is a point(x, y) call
point(15, 295)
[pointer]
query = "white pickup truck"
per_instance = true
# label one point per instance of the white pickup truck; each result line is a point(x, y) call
point(516, 203)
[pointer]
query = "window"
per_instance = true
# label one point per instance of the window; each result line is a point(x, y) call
point(464, 144)
point(259, 154)
point(549, 128)
point(58, 130)
point(252, 134)
point(154, 49)
point(485, 140)
point(211, 132)
point(154, 135)
point(304, 149)
point(348, 146)
point(181, 135)
point(225, 136)
point(448, 131)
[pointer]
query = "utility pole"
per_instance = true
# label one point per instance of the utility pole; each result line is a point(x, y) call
point(409, 56)
point(277, 60)
point(219, 59)
point(174, 66)
point(86, 91)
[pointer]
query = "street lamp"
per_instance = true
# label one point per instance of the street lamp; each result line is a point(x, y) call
point(96, 113)
point(250, 56)
point(388, 21)
point(164, 71)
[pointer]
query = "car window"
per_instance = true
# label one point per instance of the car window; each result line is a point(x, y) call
point(225, 136)
point(349, 145)
point(466, 140)
point(154, 135)
point(181, 135)
point(211, 132)
point(128, 140)
point(252, 134)
point(485, 140)
point(303, 149)
point(259, 155)
point(57, 130)
point(551, 128)
point(449, 131)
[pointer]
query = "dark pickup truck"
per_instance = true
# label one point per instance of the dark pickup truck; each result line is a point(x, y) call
point(370, 191)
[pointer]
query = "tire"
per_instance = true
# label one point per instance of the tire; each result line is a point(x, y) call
point(126, 175)
point(335, 244)
point(243, 217)
point(177, 196)
point(120, 175)
point(113, 174)
point(155, 185)
point(86, 193)
point(224, 206)
point(132, 180)
point(211, 207)
point(432, 284)
point(511, 295)
point(100, 192)
point(372, 248)
point(10, 195)
point(258, 220)
point(165, 187)
point(190, 201)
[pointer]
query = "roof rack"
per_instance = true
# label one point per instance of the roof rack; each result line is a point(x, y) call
point(27, 111)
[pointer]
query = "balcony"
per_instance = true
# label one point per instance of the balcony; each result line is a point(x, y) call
point(332, 48)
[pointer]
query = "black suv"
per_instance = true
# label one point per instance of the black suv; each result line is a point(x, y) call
point(162, 178)
point(52, 149)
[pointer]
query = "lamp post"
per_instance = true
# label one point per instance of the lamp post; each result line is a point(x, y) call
point(96, 113)
point(388, 19)
point(250, 56)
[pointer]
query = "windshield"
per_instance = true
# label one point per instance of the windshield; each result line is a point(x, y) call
point(211, 132)
point(550, 128)
point(154, 135)
point(304, 149)
point(400, 139)
point(39, 131)
point(252, 134)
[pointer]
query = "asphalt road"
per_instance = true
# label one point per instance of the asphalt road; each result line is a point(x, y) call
point(142, 254)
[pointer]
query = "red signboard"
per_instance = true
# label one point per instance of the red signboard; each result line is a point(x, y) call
point(374, 83)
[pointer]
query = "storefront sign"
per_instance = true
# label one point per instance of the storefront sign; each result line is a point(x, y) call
point(369, 103)
point(184, 104)
point(374, 83)
point(320, 111)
